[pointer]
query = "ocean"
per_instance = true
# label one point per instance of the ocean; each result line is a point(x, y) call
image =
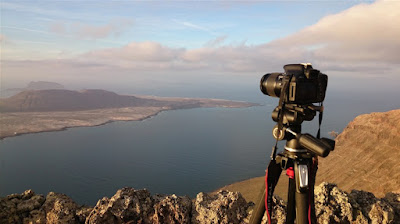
point(182, 151)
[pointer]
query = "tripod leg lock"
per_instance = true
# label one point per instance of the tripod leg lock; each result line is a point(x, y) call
point(303, 176)
point(301, 173)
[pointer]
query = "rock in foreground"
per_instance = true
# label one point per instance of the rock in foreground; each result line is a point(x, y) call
point(139, 206)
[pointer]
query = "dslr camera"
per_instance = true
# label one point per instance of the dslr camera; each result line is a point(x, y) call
point(300, 82)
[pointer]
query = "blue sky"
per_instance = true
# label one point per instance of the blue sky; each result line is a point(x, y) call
point(175, 24)
point(100, 42)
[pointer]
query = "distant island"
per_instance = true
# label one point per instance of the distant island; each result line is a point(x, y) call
point(32, 111)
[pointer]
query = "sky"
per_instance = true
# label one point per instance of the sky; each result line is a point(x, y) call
point(147, 46)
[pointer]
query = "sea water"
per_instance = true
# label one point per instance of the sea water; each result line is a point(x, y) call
point(181, 151)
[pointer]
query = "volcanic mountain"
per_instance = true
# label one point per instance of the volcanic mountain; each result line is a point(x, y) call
point(68, 100)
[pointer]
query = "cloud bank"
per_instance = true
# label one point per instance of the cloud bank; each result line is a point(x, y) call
point(361, 40)
point(363, 37)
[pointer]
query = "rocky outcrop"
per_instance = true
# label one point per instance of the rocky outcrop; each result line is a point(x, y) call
point(223, 207)
point(138, 206)
point(128, 205)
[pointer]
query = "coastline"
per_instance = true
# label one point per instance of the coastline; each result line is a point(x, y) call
point(19, 123)
point(96, 121)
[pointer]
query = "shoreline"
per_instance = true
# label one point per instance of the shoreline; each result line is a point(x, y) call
point(20, 123)
point(81, 126)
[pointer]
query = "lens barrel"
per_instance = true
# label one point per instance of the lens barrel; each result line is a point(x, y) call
point(271, 84)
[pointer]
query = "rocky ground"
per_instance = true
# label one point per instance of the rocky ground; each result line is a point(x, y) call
point(138, 206)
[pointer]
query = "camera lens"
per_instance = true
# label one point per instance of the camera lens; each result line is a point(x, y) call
point(271, 84)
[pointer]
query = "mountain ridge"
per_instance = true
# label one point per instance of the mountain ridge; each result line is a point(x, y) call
point(67, 100)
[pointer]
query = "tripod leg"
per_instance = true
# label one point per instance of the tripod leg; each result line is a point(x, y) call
point(259, 208)
point(301, 208)
point(291, 212)
point(272, 175)
point(302, 192)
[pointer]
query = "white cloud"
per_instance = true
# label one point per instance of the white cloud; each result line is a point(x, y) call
point(360, 40)
point(364, 37)
point(364, 34)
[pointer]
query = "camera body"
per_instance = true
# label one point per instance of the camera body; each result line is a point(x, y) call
point(305, 85)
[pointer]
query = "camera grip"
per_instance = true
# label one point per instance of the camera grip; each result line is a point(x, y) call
point(314, 145)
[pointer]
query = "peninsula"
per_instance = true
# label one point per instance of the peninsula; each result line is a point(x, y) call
point(57, 109)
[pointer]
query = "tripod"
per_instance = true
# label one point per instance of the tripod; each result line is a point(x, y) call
point(299, 159)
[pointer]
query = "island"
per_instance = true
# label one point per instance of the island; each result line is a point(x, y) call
point(35, 111)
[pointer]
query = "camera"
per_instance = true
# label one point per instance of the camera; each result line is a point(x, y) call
point(300, 84)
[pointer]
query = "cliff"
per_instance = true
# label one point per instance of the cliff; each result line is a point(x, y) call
point(139, 206)
point(367, 155)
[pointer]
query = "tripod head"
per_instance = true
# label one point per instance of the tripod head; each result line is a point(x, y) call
point(293, 116)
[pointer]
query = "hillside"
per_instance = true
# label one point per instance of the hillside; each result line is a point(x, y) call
point(67, 100)
point(366, 157)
